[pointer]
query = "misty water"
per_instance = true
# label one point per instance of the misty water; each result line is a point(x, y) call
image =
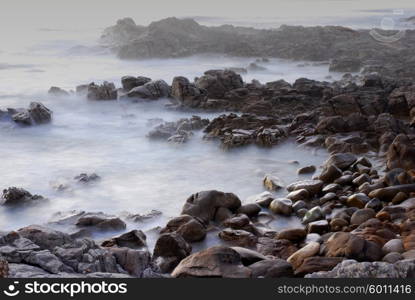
point(109, 137)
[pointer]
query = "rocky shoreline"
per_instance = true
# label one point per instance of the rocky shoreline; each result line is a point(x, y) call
point(355, 212)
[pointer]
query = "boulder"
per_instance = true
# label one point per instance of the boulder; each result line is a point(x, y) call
point(317, 264)
point(204, 204)
point(272, 183)
point(274, 247)
point(100, 222)
point(295, 234)
point(341, 160)
point(105, 91)
point(281, 206)
point(218, 82)
point(44, 237)
point(130, 82)
point(14, 196)
point(401, 153)
point(312, 186)
point(276, 268)
point(297, 259)
point(186, 93)
point(134, 261)
point(307, 170)
point(344, 244)
point(250, 209)
point(190, 228)
point(169, 250)
point(218, 261)
point(134, 239)
point(36, 114)
point(238, 237)
point(249, 256)
point(152, 90)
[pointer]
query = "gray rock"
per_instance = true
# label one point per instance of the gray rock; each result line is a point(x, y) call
point(152, 90)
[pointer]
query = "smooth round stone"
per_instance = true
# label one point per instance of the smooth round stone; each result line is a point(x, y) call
point(281, 206)
point(272, 183)
point(344, 180)
point(313, 214)
point(362, 215)
point(295, 234)
point(299, 205)
point(319, 227)
point(298, 195)
point(358, 200)
point(394, 245)
point(264, 199)
point(332, 187)
point(307, 170)
point(327, 197)
point(250, 209)
point(361, 179)
point(392, 257)
point(374, 204)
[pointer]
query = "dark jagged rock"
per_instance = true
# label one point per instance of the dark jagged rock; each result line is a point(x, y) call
point(17, 196)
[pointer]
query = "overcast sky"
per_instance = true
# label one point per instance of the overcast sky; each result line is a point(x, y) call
point(103, 12)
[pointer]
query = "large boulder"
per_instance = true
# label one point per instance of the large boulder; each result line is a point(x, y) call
point(105, 91)
point(134, 239)
point(190, 228)
point(205, 204)
point(186, 93)
point(218, 261)
point(344, 244)
point(152, 90)
point(341, 160)
point(218, 82)
point(44, 237)
point(169, 250)
point(36, 114)
point(130, 82)
point(14, 196)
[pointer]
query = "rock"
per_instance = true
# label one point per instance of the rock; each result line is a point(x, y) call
point(87, 178)
point(274, 247)
point(251, 209)
point(338, 224)
point(100, 222)
point(204, 204)
point(134, 239)
point(134, 261)
point(297, 259)
point(362, 215)
point(358, 200)
point(240, 238)
point(169, 250)
point(295, 234)
point(218, 82)
point(392, 257)
point(36, 114)
point(401, 153)
point(312, 186)
point(399, 198)
point(45, 238)
point(106, 91)
point(353, 269)
point(307, 170)
point(216, 261)
point(394, 245)
point(130, 82)
point(317, 264)
point(264, 199)
point(17, 197)
point(361, 179)
point(388, 193)
point(57, 91)
point(281, 206)
point(298, 205)
point(374, 204)
point(237, 222)
point(249, 256)
point(190, 228)
point(330, 174)
point(313, 214)
point(343, 244)
point(319, 227)
point(152, 90)
point(341, 160)
point(276, 268)
point(327, 198)
point(302, 194)
point(4, 268)
point(188, 94)
point(272, 183)
point(344, 180)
